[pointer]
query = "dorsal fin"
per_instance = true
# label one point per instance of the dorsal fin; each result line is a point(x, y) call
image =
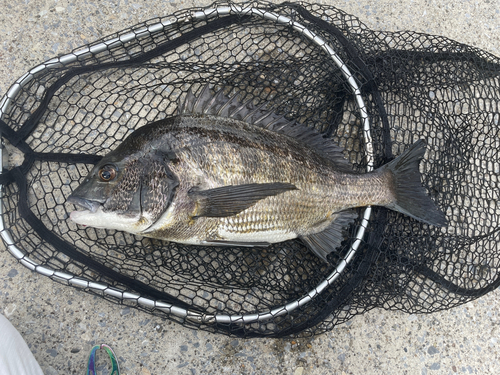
point(220, 105)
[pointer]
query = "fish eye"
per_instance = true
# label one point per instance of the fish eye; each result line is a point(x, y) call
point(107, 173)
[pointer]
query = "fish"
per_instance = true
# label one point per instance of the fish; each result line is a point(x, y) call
point(223, 172)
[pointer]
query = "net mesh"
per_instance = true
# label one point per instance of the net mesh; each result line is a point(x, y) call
point(67, 113)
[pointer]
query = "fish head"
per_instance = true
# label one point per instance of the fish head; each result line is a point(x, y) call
point(126, 193)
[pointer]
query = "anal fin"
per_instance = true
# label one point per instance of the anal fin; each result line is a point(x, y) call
point(326, 241)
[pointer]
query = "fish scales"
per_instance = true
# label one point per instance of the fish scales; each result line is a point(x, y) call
point(242, 159)
point(214, 175)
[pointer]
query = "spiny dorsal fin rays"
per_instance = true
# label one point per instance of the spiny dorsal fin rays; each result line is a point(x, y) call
point(203, 100)
point(180, 106)
point(213, 101)
point(249, 118)
point(277, 123)
point(228, 108)
point(187, 105)
point(222, 106)
point(241, 111)
point(264, 115)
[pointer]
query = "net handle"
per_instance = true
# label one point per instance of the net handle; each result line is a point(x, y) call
point(167, 307)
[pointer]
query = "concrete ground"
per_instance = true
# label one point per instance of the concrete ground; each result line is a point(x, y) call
point(61, 324)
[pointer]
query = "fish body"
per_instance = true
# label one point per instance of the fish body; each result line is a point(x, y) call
point(222, 172)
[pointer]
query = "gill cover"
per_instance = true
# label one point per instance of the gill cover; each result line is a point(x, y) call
point(142, 188)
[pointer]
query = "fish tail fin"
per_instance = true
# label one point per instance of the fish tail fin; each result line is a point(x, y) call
point(410, 196)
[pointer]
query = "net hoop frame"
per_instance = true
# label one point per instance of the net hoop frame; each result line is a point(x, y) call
point(168, 308)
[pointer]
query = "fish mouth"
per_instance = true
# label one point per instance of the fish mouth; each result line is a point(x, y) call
point(91, 206)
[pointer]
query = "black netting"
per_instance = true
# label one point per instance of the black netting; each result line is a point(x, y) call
point(70, 111)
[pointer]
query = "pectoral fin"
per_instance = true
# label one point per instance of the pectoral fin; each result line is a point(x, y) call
point(325, 242)
point(231, 200)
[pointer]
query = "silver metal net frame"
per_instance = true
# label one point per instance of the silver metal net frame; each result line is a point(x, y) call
point(374, 93)
point(159, 305)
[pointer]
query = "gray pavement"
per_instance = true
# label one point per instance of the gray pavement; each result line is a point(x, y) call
point(60, 324)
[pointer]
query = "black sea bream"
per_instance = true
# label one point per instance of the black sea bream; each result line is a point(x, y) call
point(225, 173)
